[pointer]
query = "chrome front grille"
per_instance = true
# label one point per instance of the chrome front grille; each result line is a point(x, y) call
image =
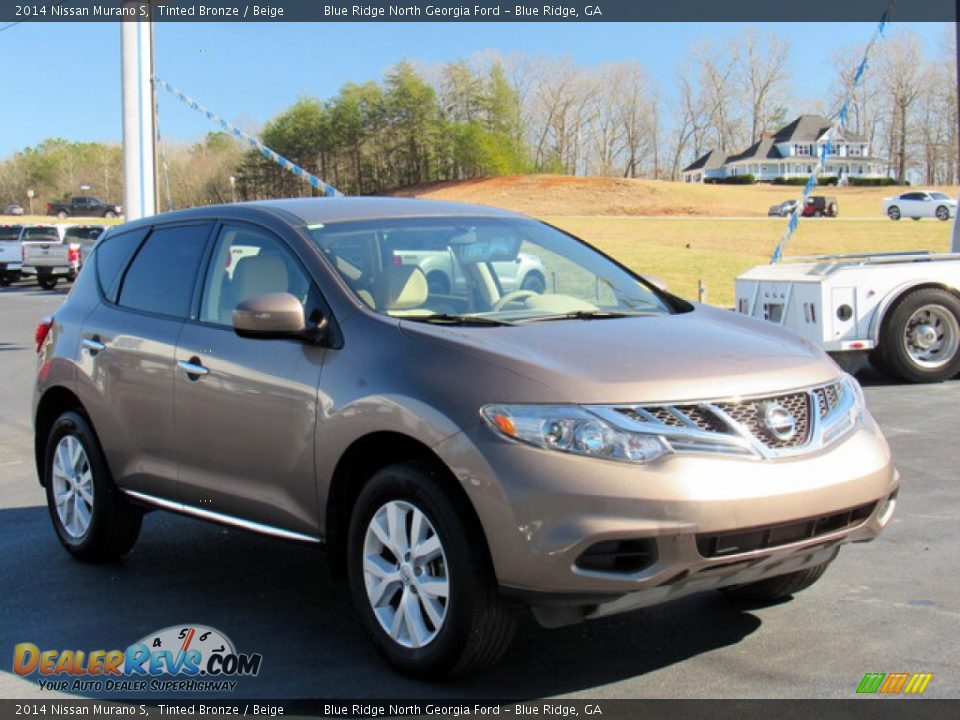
point(766, 426)
point(751, 415)
point(829, 397)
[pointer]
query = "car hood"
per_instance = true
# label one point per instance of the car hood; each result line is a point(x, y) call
point(703, 354)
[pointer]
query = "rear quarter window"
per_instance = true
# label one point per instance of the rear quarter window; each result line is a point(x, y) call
point(113, 256)
point(162, 276)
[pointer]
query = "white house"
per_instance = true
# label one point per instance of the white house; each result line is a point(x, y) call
point(792, 152)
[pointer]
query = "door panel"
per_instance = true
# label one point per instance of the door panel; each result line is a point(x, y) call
point(129, 349)
point(245, 429)
point(132, 407)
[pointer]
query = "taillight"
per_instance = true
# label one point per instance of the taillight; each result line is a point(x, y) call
point(397, 260)
point(74, 255)
point(43, 329)
point(49, 207)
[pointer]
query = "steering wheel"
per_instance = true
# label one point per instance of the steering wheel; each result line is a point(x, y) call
point(511, 297)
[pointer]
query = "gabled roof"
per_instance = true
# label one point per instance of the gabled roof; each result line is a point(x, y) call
point(809, 128)
point(710, 161)
point(762, 150)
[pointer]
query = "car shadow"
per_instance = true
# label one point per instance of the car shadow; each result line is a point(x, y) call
point(277, 598)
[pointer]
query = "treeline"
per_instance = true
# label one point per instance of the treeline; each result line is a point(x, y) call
point(522, 113)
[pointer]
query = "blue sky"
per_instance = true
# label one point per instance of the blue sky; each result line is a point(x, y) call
point(63, 80)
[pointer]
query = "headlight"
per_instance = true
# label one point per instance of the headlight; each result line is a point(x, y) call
point(574, 430)
point(851, 407)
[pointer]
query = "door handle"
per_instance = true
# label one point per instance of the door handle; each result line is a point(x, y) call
point(93, 345)
point(192, 368)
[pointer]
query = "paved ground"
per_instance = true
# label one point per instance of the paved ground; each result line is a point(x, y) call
point(893, 605)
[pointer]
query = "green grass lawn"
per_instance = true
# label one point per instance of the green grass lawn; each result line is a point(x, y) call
point(720, 249)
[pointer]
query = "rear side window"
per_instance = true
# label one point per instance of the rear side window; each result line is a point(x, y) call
point(10, 233)
point(112, 257)
point(162, 275)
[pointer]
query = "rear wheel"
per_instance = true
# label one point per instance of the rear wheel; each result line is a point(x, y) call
point(109, 214)
point(63, 214)
point(420, 577)
point(91, 517)
point(47, 282)
point(6, 279)
point(893, 212)
point(776, 587)
point(943, 213)
point(817, 213)
point(920, 338)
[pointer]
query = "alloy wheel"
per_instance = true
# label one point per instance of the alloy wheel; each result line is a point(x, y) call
point(405, 574)
point(73, 486)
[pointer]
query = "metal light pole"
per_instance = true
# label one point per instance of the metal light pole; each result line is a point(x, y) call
point(139, 129)
point(233, 189)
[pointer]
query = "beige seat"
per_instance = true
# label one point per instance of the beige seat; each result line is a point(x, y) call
point(400, 289)
point(254, 275)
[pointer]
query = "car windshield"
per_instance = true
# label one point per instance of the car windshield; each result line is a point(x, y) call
point(10, 232)
point(480, 270)
point(939, 196)
point(41, 234)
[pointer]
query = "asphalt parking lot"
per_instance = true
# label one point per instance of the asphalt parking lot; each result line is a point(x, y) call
point(889, 606)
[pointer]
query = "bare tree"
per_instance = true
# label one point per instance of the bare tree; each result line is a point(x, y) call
point(717, 78)
point(762, 78)
point(901, 76)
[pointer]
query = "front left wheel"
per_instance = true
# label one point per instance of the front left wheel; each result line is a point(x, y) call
point(91, 517)
point(420, 576)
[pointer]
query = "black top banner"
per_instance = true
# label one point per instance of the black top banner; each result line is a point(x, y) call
point(821, 11)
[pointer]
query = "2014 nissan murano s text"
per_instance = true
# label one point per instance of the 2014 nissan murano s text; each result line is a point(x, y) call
point(583, 444)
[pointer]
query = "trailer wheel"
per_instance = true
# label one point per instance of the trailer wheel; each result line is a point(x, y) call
point(920, 337)
point(893, 212)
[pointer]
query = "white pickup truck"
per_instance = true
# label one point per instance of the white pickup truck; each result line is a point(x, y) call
point(900, 309)
point(52, 252)
point(11, 253)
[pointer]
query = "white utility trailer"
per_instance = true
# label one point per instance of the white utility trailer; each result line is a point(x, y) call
point(901, 309)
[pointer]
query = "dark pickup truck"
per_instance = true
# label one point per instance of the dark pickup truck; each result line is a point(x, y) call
point(84, 207)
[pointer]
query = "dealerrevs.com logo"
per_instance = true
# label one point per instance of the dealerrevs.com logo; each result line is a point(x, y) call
point(181, 658)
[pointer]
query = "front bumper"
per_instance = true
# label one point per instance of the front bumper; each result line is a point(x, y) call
point(542, 510)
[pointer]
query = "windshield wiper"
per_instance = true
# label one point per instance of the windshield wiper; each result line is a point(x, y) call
point(448, 319)
point(585, 315)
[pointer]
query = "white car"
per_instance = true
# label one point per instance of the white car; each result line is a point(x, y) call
point(918, 204)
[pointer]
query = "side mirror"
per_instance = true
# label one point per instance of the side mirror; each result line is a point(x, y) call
point(274, 316)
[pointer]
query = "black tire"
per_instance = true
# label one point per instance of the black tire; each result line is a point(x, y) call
point(47, 282)
point(777, 587)
point(438, 283)
point(63, 214)
point(892, 355)
point(817, 213)
point(478, 625)
point(109, 214)
point(943, 213)
point(832, 210)
point(6, 279)
point(114, 523)
point(535, 282)
point(914, 218)
point(893, 212)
